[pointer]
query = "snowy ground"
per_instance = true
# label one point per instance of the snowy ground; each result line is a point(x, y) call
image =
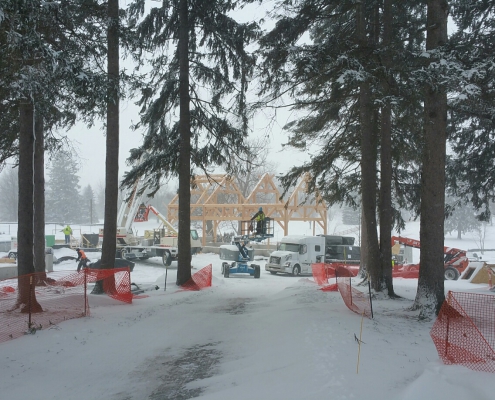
point(277, 337)
point(270, 338)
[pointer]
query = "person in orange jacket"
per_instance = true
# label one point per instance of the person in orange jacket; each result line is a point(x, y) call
point(83, 260)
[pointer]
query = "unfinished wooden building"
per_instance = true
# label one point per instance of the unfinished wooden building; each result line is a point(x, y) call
point(217, 198)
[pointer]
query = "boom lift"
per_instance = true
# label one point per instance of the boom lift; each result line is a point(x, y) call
point(240, 254)
point(161, 242)
point(455, 260)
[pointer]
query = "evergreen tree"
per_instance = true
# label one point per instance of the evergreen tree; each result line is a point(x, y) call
point(430, 293)
point(63, 201)
point(100, 198)
point(26, 249)
point(109, 246)
point(89, 214)
point(206, 49)
point(345, 60)
point(48, 70)
point(460, 217)
point(472, 105)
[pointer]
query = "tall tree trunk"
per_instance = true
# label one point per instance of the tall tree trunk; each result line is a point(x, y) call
point(25, 232)
point(430, 294)
point(363, 267)
point(39, 197)
point(109, 246)
point(386, 158)
point(184, 260)
point(368, 162)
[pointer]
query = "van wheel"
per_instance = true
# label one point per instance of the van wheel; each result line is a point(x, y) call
point(296, 270)
point(226, 271)
point(273, 272)
point(257, 271)
point(451, 274)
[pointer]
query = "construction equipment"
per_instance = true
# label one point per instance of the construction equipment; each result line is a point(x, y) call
point(161, 242)
point(455, 260)
point(240, 254)
point(248, 230)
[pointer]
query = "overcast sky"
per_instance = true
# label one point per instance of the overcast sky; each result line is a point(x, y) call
point(90, 144)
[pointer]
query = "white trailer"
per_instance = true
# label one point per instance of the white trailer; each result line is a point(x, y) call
point(295, 254)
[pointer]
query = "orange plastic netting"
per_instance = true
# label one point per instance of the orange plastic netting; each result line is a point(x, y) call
point(199, 280)
point(324, 271)
point(464, 332)
point(409, 271)
point(355, 300)
point(38, 301)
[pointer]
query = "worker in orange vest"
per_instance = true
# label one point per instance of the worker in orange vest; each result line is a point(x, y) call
point(83, 260)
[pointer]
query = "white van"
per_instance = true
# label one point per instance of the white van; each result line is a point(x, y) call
point(295, 254)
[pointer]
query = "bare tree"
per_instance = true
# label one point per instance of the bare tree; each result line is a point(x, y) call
point(251, 169)
point(481, 236)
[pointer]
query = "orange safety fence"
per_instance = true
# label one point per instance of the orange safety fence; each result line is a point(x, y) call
point(199, 280)
point(409, 271)
point(116, 281)
point(37, 301)
point(354, 299)
point(464, 331)
point(323, 271)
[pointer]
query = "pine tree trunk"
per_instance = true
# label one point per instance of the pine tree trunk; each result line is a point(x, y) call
point(109, 246)
point(386, 199)
point(363, 267)
point(25, 234)
point(184, 259)
point(430, 294)
point(39, 197)
point(368, 165)
point(386, 160)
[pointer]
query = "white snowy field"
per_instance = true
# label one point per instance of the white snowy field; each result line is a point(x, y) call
point(277, 337)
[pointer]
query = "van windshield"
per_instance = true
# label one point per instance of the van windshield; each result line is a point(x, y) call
point(194, 234)
point(289, 247)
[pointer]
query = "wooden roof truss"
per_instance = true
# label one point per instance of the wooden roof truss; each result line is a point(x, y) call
point(217, 198)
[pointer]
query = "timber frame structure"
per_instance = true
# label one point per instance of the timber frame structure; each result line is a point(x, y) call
point(217, 198)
